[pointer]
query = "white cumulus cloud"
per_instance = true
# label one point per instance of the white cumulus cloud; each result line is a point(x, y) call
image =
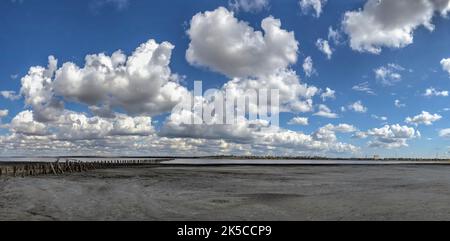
point(328, 94)
point(3, 113)
point(392, 136)
point(37, 88)
point(255, 60)
point(389, 75)
point(433, 92)
point(324, 47)
point(308, 66)
point(445, 133)
point(24, 123)
point(315, 5)
point(446, 65)
point(324, 111)
point(423, 118)
point(9, 95)
point(357, 107)
point(303, 121)
point(141, 83)
point(227, 45)
point(334, 35)
point(390, 23)
point(249, 5)
point(294, 96)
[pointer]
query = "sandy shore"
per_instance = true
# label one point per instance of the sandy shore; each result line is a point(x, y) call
point(399, 192)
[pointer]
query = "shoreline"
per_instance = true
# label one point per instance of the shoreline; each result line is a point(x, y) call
point(306, 157)
point(63, 158)
point(234, 162)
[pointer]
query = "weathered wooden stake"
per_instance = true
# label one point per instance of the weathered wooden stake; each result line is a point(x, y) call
point(53, 169)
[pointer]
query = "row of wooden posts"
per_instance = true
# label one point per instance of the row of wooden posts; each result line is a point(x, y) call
point(68, 166)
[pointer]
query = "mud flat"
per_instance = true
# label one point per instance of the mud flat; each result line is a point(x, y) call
point(164, 192)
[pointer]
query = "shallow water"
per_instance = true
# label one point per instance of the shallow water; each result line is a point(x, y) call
point(348, 192)
point(204, 161)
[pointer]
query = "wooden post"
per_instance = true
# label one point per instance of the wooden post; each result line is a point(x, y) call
point(53, 169)
point(44, 169)
point(70, 166)
point(59, 168)
point(56, 168)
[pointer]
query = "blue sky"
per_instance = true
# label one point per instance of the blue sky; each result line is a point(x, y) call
point(32, 30)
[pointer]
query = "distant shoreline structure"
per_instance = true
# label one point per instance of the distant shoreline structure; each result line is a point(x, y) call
point(63, 165)
point(231, 157)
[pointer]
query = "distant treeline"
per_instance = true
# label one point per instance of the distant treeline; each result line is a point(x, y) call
point(268, 158)
point(321, 158)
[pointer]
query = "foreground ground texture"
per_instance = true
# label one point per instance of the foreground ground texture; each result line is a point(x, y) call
point(420, 192)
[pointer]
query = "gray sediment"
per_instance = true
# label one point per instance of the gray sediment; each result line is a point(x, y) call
point(347, 192)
